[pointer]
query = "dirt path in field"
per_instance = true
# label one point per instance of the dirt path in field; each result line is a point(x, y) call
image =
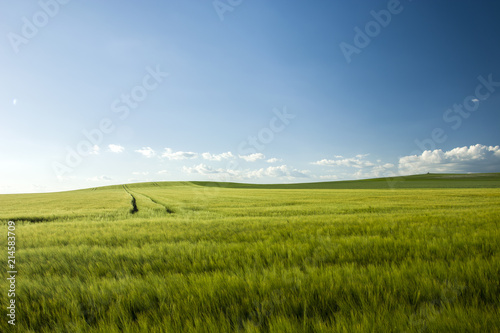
point(167, 209)
point(133, 202)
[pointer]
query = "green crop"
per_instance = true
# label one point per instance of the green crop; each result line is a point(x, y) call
point(209, 257)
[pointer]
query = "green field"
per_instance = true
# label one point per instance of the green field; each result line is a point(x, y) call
point(410, 254)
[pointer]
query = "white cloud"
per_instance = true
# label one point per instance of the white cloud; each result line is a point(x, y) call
point(179, 155)
point(219, 157)
point(200, 168)
point(137, 173)
point(146, 151)
point(475, 100)
point(116, 148)
point(355, 162)
point(477, 158)
point(204, 169)
point(282, 171)
point(162, 172)
point(381, 170)
point(252, 157)
point(345, 166)
point(99, 179)
point(274, 160)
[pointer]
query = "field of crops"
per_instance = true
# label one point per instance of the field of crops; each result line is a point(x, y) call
point(402, 255)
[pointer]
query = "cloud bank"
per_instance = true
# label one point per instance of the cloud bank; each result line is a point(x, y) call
point(282, 171)
point(219, 157)
point(252, 157)
point(178, 155)
point(476, 158)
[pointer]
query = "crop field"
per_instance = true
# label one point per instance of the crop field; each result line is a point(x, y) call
point(412, 254)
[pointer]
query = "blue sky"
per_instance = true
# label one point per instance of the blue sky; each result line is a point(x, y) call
point(252, 91)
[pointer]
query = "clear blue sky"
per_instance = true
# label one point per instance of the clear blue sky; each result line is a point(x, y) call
point(253, 91)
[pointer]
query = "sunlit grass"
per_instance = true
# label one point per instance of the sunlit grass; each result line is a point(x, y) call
point(257, 260)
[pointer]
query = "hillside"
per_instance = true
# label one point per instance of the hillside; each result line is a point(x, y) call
point(480, 180)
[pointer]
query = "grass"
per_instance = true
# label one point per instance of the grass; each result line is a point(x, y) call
point(196, 257)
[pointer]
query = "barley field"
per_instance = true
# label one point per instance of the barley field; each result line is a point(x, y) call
point(412, 254)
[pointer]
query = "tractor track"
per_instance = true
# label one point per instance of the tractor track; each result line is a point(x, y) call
point(167, 209)
point(133, 202)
